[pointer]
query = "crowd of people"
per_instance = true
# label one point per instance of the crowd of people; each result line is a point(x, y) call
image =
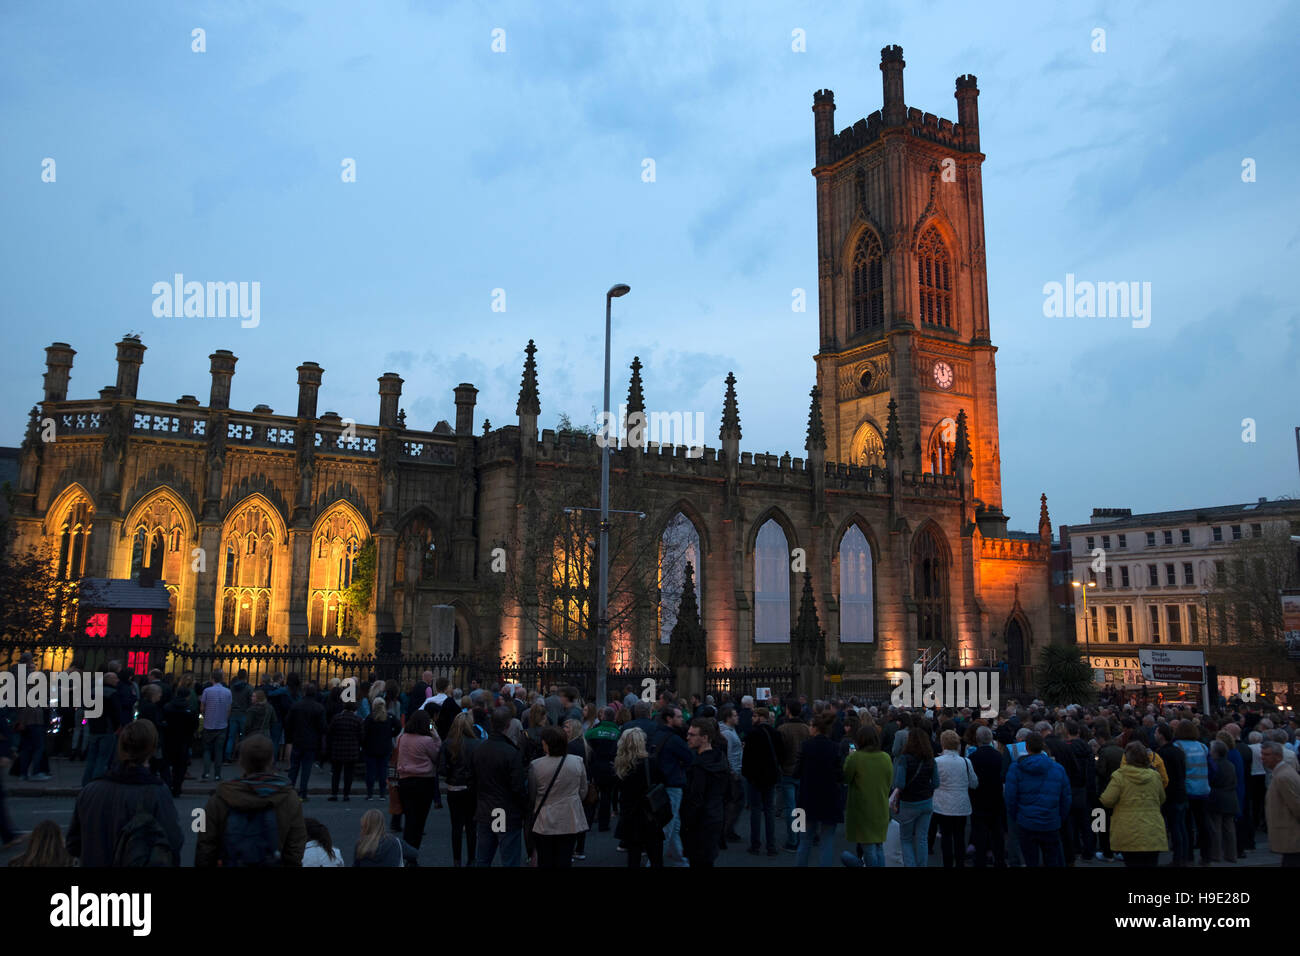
point(525, 774)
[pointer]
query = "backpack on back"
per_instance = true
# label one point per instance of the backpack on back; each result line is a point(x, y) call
point(143, 842)
point(252, 838)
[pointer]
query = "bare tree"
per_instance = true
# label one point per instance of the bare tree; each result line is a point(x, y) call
point(1247, 603)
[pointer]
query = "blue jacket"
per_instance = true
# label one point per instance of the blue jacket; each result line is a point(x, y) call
point(1198, 767)
point(1038, 793)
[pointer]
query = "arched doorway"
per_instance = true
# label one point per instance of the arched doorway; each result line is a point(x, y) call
point(1015, 638)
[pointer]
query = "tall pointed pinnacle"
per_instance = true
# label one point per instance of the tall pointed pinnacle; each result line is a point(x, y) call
point(816, 427)
point(807, 642)
point(893, 434)
point(1044, 521)
point(686, 643)
point(528, 398)
point(730, 411)
point(635, 399)
point(962, 451)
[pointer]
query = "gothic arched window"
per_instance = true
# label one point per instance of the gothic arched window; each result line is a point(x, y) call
point(338, 542)
point(868, 284)
point(868, 448)
point(934, 278)
point(857, 587)
point(930, 588)
point(771, 585)
point(247, 581)
point(679, 544)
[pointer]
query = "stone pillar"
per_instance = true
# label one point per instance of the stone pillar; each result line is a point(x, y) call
point(130, 355)
point(58, 369)
point(222, 369)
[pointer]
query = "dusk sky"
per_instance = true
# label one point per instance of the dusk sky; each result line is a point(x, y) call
point(522, 171)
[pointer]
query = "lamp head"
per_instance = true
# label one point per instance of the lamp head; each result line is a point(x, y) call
point(618, 290)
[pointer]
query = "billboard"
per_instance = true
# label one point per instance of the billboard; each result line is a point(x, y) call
point(1291, 623)
point(1172, 667)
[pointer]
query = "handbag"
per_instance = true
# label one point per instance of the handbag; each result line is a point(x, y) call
point(658, 808)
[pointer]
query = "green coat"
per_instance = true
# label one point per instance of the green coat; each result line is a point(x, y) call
point(869, 776)
point(1135, 795)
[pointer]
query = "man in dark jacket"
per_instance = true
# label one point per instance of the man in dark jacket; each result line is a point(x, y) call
point(1109, 757)
point(343, 746)
point(817, 768)
point(497, 773)
point(1175, 806)
point(241, 698)
point(603, 739)
point(179, 727)
point(1038, 803)
point(304, 729)
point(761, 768)
point(704, 796)
point(106, 807)
point(1083, 792)
point(102, 731)
point(988, 808)
point(255, 820)
point(670, 751)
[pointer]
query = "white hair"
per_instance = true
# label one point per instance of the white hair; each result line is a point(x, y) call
point(747, 701)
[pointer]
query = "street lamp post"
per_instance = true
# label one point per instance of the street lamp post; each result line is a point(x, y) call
point(602, 606)
point(1087, 647)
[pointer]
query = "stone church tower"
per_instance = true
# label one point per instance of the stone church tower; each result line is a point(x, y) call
point(902, 287)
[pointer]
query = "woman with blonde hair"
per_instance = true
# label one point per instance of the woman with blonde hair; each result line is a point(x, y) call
point(376, 847)
point(378, 733)
point(45, 848)
point(952, 806)
point(636, 775)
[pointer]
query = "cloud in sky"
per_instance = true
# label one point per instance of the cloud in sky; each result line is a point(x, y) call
point(522, 171)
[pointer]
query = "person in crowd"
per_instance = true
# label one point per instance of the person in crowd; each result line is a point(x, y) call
point(343, 746)
point(951, 800)
point(377, 735)
point(818, 770)
point(916, 777)
point(988, 806)
point(556, 782)
point(101, 731)
point(1109, 756)
point(708, 779)
point(868, 773)
point(241, 698)
point(1197, 756)
point(304, 730)
point(260, 717)
point(728, 721)
point(214, 706)
point(1038, 799)
point(637, 775)
point(1239, 755)
point(603, 740)
point(255, 820)
point(1134, 795)
point(375, 847)
point(761, 768)
point(151, 710)
point(180, 724)
point(320, 850)
point(108, 828)
point(1175, 805)
point(792, 730)
point(669, 747)
point(417, 772)
point(1281, 803)
point(579, 747)
point(454, 765)
point(497, 777)
point(45, 848)
point(1224, 805)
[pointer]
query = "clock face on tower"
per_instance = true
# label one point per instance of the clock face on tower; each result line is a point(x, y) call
point(943, 374)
